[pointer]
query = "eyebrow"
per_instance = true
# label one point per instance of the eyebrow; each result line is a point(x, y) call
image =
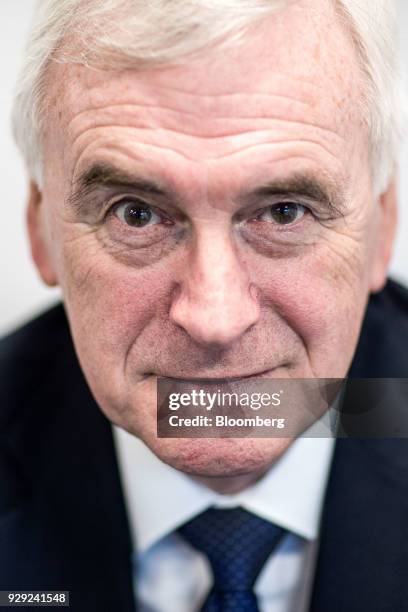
point(328, 193)
point(105, 176)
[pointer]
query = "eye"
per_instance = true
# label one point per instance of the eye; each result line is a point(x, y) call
point(283, 213)
point(136, 213)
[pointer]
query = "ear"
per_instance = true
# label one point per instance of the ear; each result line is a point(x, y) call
point(386, 229)
point(38, 236)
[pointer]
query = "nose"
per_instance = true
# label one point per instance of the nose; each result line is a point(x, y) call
point(215, 302)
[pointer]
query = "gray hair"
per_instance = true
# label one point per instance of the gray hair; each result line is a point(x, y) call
point(147, 33)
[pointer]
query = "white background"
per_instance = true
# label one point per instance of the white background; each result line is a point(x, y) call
point(22, 293)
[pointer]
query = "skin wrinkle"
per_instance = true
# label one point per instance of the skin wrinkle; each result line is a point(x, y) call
point(220, 119)
point(221, 156)
point(177, 111)
point(105, 76)
point(79, 161)
point(188, 156)
point(107, 177)
point(215, 297)
point(219, 137)
point(210, 357)
point(93, 110)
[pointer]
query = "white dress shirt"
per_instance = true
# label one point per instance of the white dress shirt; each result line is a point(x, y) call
point(171, 575)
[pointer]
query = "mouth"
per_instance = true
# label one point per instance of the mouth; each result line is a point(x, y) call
point(227, 377)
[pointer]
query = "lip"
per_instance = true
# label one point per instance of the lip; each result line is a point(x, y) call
point(227, 377)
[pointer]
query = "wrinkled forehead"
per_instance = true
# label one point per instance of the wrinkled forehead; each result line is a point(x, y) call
point(300, 59)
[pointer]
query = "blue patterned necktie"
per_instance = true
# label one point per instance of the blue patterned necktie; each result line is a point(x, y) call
point(237, 544)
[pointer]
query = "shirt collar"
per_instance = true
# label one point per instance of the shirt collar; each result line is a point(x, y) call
point(160, 498)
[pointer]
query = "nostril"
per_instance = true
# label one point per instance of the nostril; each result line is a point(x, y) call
point(215, 302)
point(218, 323)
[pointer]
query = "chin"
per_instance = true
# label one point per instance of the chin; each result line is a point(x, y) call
point(201, 457)
point(219, 457)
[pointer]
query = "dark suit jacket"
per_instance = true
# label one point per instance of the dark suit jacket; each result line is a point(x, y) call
point(63, 524)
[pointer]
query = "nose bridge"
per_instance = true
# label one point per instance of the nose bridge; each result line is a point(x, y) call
point(223, 276)
point(215, 303)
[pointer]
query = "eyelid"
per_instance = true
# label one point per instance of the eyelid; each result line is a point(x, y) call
point(277, 201)
point(114, 204)
point(283, 201)
point(303, 210)
point(119, 212)
point(321, 210)
point(167, 209)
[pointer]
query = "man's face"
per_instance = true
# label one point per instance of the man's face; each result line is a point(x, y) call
point(213, 220)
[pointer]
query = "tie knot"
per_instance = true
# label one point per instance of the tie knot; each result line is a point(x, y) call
point(236, 543)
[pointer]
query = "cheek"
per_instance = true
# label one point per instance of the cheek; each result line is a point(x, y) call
point(109, 303)
point(321, 296)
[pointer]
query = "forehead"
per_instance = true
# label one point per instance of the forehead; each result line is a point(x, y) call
point(298, 66)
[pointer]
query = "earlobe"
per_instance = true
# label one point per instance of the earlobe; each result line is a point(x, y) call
point(40, 251)
point(387, 224)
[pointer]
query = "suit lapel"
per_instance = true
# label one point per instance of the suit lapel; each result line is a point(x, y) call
point(67, 528)
point(363, 555)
